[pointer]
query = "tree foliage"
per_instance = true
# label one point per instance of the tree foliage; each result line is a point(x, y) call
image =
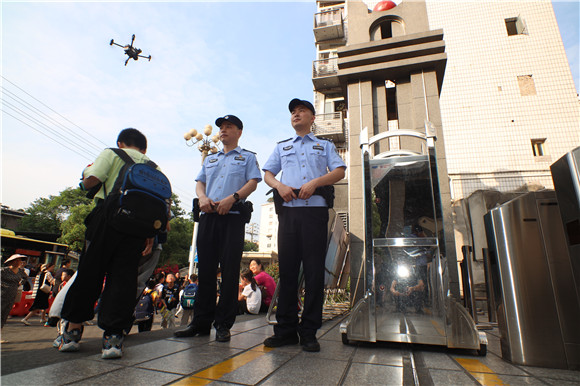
point(41, 216)
point(250, 246)
point(73, 228)
point(176, 249)
point(47, 214)
point(273, 270)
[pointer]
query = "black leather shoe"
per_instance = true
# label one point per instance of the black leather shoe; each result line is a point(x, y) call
point(309, 343)
point(222, 334)
point(191, 331)
point(279, 341)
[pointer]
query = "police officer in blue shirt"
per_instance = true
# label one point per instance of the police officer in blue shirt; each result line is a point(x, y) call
point(226, 179)
point(307, 163)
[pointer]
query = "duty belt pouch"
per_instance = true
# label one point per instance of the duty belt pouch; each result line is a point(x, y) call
point(328, 193)
point(245, 209)
point(278, 201)
point(196, 210)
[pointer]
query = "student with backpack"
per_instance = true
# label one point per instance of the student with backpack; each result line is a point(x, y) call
point(145, 309)
point(129, 211)
point(187, 300)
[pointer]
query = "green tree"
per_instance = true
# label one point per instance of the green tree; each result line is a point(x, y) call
point(73, 228)
point(41, 216)
point(176, 249)
point(250, 246)
point(176, 208)
point(47, 214)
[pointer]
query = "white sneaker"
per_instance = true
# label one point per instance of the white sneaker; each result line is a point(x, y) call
point(70, 340)
point(26, 322)
point(112, 346)
point(57, 342)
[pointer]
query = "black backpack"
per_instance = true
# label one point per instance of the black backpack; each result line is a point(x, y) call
point(145, 308)
point(139, 202)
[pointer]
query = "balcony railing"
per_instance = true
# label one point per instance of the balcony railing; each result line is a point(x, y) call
point(330, 126)
point(328, 18)
point(343, 153)
point(324, 67)
point(328, 25)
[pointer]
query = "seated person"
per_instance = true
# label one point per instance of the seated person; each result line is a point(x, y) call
point(265, 282)
point(250, 297)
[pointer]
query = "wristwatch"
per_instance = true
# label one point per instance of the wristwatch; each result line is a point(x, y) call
point(236, 196)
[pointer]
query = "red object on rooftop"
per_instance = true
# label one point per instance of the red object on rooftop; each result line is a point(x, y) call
point(384, 6)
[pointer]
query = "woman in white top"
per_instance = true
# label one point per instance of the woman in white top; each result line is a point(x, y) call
point(250, 297)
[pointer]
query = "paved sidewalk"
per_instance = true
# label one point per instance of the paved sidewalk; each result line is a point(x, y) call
point(157, 358)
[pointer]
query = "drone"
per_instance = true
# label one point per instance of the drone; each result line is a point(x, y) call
point(130, 51)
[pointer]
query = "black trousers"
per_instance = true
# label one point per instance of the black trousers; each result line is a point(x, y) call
point(115, 255)
point(220, 241)
point(302, 238)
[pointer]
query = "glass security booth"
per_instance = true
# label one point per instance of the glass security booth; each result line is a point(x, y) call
point(406, 281)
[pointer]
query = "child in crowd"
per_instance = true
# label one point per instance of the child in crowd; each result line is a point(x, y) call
point(250, 296)
point(187, 299)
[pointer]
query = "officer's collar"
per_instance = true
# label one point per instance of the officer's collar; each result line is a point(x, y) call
point(238, 149)
point(309, 135)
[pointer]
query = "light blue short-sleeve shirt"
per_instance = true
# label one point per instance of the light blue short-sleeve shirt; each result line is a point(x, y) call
point(224, 174)
point(302, 159)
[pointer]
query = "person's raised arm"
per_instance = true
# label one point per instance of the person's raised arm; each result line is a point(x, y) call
point(225, 204)
point(285, 191)
point(205, 204)
point(331, 178)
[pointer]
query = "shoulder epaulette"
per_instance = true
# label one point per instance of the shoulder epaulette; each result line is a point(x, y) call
point(249, 151)
point(325, 139)
point(286, 140)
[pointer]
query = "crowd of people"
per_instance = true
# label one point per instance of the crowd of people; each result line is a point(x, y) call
point(122, 244)
point(167, 295)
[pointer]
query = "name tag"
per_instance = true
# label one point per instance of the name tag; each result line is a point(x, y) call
point(318, 147)
point(211, 161)
point(288, 147)
point(239, 158)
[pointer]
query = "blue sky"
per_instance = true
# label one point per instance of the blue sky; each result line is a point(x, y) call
point(209, 59)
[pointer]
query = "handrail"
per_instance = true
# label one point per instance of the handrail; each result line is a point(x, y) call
point(396, 153)
point(396, 133)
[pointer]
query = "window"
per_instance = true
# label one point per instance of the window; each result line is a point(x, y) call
point(387, 27)
point(386, 30)
point(515, 26)
point(527, 86)
point(538, 147)
point(391, 100)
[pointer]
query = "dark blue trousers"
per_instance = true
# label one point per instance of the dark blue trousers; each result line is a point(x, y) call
point(220, 241)
point(302, 238)
point(112, 254)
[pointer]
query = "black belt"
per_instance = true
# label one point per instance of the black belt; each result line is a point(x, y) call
point(245, 209)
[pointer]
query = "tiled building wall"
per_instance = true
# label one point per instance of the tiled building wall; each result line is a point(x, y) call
point(488, 123)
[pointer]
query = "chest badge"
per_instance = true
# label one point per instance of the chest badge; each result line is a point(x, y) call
point(212, 160)
point(240, 158)
point(288, 147)
point(318, 147)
